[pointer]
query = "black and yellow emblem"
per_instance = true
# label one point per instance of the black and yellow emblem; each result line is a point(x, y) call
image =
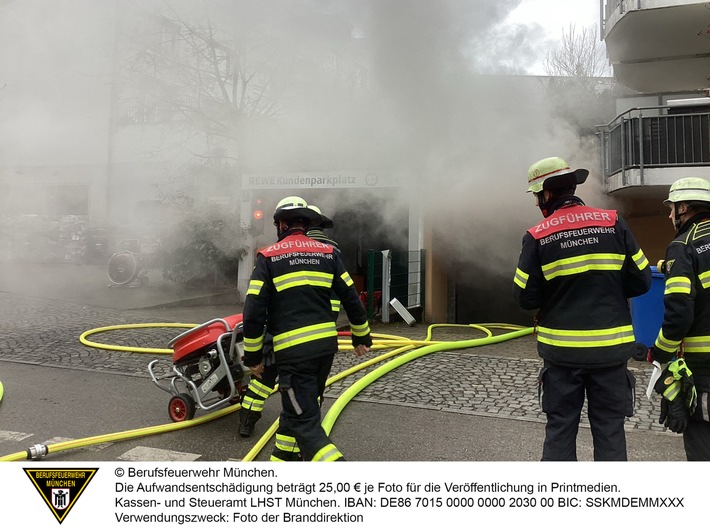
point(669, 265)
point(60, 488)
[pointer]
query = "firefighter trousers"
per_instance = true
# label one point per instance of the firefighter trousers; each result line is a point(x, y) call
point(610, 399)
point(257, 393)
point(301, 387)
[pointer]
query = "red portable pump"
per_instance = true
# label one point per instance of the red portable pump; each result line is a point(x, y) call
point(208, 371)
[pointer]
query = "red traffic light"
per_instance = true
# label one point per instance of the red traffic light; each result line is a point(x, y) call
point(258, 214)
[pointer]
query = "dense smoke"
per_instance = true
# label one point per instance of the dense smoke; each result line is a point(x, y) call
point(414, 88)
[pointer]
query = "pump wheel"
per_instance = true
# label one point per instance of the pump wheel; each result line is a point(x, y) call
point(181, 407)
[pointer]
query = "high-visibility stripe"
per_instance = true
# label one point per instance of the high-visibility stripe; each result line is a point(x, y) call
point(329, 453)
point(286, 443)
point(275, 459)
point(259, 388)
point(360, 330)
point(303, 278)
point(583, 263)
point(677, 285)
point(705, 279)
point(303, 335)
point(254, 287)
point(335, 305)
point(671, 392)
point(664, 344)
point(586, 338)
point(253, 404)
point(348, 280)
point(696, 344)
point(253, 344)
point(521, 278)
point(640, 260)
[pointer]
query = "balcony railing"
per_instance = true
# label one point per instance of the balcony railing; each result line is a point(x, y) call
point(635, 141)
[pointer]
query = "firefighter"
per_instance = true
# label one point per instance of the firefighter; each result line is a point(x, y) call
point(579, 266)
point(682, 340)
point(260, 388)
point(289, 297)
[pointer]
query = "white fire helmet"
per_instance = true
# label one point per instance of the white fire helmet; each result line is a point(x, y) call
point(296, 207)
point(689, 189)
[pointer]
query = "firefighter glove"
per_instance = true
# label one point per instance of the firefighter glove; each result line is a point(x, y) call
point(679, 396)
point(674, 415)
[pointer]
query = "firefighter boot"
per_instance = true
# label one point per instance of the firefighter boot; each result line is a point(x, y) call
point(247, 421)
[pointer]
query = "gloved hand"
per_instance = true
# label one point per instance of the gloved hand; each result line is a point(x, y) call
point(679, 395)
point(674, 415)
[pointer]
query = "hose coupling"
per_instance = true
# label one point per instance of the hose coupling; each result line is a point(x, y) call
point(37, 451)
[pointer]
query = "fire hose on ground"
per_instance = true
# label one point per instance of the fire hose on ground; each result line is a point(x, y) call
point(398, 344)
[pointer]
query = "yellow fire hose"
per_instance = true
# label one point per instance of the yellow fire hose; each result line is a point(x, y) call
point(148, 350)
point(335, 410)
point(383, 341)
point(340, 403)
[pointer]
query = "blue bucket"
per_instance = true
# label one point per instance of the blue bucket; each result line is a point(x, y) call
point(647, 310)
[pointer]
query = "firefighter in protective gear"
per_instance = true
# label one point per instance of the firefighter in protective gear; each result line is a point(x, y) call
point(289, 297)
point(260, 388)
point(579, 266)
point(685, 330)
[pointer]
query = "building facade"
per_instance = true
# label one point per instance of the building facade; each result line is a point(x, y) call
point(660, 49)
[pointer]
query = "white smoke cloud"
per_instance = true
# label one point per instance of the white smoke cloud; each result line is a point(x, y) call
point(417, 88)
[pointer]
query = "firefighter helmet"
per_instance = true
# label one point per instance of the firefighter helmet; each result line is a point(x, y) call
point(689, 189)
point(293, 207)
point(553, 172)
point(327, 223)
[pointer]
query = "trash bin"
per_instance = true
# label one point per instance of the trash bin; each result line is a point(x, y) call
point(647, 310)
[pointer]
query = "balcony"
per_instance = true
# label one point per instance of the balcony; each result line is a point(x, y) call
point(653, 146)
point(658, 45)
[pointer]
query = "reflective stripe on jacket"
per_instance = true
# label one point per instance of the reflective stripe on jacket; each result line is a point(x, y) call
point(579, 266)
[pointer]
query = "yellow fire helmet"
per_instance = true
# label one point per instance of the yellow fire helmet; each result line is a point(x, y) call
point(688, 189)
point(553, 171)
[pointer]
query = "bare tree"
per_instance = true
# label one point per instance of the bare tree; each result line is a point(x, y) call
point(203, 81)
point(581, 54)
point(209, 86)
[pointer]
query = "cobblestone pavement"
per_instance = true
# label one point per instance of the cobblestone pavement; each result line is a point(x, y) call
point(497, 380)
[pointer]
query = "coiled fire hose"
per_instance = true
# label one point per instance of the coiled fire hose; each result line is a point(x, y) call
point(380, 341)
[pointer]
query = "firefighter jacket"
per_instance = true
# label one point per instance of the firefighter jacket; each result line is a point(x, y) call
point(290, 294)
point(686, 298)
point(578, 267)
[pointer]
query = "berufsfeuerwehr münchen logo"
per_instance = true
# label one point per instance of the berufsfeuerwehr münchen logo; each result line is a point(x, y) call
point(60, 488)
